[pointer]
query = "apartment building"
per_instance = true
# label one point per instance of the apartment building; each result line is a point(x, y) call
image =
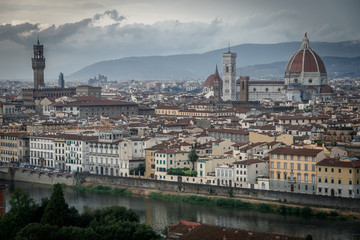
point(14, 147)
point(338, 177)
point(294, 170)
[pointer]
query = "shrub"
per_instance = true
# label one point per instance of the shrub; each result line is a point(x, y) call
point(306, 212)
point(264, 207)
point(282, 209)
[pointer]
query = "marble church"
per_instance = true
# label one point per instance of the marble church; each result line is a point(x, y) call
point(305, 79)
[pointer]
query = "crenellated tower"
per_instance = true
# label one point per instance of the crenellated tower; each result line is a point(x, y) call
point(38, 65)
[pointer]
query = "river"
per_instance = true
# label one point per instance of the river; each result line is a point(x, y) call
point(161, 213)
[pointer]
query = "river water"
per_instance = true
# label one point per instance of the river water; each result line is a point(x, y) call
point(161, 213)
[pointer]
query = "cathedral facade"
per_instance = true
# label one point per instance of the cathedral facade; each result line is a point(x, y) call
point(305, 79)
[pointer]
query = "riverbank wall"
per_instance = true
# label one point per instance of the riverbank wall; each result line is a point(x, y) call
point(173, 187)
point(34, 176)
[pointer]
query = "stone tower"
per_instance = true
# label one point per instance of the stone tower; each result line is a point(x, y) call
point(229, 76)
point(38, 65)
point(61, 82)
point(217, 87)
point(244, 89)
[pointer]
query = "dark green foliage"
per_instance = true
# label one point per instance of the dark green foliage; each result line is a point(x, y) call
point(54, 220)
point(37, 231)
point(57, 210)
point(321, 214)
point(231, 192)
point(294, 211)
point(263, 207)
point(334, 214)
point(308, 237)
point(126, 230)
point(193, 157)
point(76, 233)
point(307, 212)
point(103, 189)
point(140, 168)
point(282, 209)
point(23, 210)
point(181, 172)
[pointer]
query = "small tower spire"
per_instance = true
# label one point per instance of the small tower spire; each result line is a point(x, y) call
point(216, 71)
point(38, 41)
point(229, 47)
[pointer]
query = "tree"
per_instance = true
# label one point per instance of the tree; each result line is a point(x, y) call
point(23, 211)
point(57, 210)
point(193, 157)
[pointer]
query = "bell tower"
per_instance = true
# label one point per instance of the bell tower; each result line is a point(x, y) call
point(38, 65)
point(229, 76)
point(217, 87)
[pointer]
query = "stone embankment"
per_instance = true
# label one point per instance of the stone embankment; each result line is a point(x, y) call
point(146, 186)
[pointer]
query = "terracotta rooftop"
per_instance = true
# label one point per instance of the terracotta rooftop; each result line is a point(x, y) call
point(294, 151)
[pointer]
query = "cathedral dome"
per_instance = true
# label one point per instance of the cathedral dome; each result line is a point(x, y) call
point(305, 60)
point(210, 81)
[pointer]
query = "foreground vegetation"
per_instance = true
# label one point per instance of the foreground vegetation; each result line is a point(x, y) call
point(305, 212)
point(53, 219)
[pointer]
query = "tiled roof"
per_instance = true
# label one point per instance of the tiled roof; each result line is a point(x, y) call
point(294, 151)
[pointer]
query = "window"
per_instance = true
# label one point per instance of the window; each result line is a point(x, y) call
point(298, 158)
point(299, 166)
point(339, 191)
point(278, 165)
point(285, 165)
point(278, 156)
point(326, 180)
point(325, 169)
point(306, 158)
point(339, 181)
point(332, 169)
point(292, 157)
point(319, 169)
point(350, 171)
point(272, 164)
point(310, 80)
point(332, 180)
point(319, 179)
point(285, 175)
point(339, 170)
point(319, 189)
point(306, 167)
point(285, 157)
point(291, 166)
point(350, 181)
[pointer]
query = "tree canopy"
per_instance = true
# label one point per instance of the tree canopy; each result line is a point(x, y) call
point(193, 157)
point(53, 219)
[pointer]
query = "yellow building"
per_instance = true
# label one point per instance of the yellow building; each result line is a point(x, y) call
point(338, 177)
point(14, 147)
point(294, 170)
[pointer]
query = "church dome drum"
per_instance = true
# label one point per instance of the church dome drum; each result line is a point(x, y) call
point(305, 67)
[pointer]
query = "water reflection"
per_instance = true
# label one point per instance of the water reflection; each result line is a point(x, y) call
point(161, 213)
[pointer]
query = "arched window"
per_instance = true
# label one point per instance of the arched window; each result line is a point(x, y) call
point(254, 90)
point(267, 89)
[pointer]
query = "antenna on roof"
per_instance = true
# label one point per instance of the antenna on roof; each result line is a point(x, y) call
point(229, 46)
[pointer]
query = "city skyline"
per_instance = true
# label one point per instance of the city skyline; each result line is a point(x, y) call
point(76, 35)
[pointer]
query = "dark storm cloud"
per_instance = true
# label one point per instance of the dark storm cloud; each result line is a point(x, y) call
point(113, 14)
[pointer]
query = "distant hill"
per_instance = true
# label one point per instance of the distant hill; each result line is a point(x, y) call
point(255, 60)
point(335, 67)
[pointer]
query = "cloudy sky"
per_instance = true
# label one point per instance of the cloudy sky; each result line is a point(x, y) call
point(76, 33)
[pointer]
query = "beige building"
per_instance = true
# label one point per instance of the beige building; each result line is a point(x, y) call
point(338, 177)
point(294, 170)
point(14, 147)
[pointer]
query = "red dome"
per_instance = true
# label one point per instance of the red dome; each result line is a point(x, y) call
point(305, 60)
point(210, 81)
